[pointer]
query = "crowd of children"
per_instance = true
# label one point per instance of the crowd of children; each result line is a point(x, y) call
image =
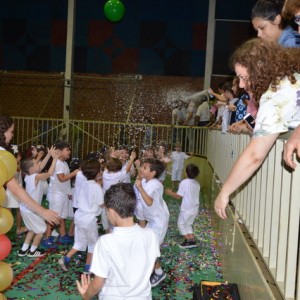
point(127, 193)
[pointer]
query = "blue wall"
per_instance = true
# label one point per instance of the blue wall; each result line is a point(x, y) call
point(157, 37)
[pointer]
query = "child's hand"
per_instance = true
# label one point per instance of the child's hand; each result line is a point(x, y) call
point(168, 191)
point(84, 284)
point(55, 153)
point(50, 151)
point(133, 155)
point(138, 183)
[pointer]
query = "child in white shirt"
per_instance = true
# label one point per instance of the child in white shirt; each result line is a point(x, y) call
point(178, 157)
point(34, 187)
point(123, 260)
point(155, 209)
point(189, 192)
point(90, 204)
point(114, 174)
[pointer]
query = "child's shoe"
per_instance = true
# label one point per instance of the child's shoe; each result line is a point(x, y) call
point(65, 240)
point(188, 244)
point(49, 243)
point(156, 279)
point(23, 253)
point(63, 263)
point(36, 253)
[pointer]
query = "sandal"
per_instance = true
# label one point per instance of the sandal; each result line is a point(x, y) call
point(22, 230)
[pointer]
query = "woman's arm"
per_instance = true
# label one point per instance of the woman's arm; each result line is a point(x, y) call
point(248, 162)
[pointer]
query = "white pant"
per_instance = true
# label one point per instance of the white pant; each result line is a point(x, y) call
point(186, 220)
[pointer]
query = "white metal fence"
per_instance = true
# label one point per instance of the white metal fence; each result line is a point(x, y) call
point(268, 204)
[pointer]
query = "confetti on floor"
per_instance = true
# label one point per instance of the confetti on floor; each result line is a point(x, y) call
point(184, 267)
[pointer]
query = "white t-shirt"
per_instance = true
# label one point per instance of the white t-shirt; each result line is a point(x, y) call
point(203, 112)
point(110, 179)
point(35, 191)
point(157, 214)
point(278, 111)
point(178, 160)
point(126, 259)
point(80, 178)
point(57, 187)
point(189, 190)
point(90, 197)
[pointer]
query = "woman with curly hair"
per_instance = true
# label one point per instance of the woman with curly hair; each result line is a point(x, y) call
point(272, 74)
point(291, 10)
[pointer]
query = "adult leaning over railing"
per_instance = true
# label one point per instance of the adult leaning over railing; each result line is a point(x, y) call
point(272, 74)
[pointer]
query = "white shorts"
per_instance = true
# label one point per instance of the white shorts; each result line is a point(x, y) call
point(104, 219)
point(176, 175)
point(33, 222)
point(11, 201)
point(138, 212)
point(60, 204)
point(185, 221)
point(86, 238)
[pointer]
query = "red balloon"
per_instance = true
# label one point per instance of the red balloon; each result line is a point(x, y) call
point(5, 246)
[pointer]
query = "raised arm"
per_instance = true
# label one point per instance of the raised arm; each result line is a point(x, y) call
point(248, 162)
point(89, 288)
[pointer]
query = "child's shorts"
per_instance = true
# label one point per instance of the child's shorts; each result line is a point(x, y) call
point(176, 175)
point(60, 204)
point(86, 238)
point(32, 221)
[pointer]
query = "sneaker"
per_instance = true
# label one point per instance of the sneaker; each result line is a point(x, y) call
point(36, 253)
point(65, 240)
point(156, 279)
point(49, 243)
point(188, 244)
point(63, 263)
point(22, 253)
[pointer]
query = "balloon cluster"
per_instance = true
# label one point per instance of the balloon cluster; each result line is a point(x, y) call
point(114, 10)
point(8, 167)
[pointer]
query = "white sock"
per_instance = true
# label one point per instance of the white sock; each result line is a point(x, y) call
point(33, 248)
point(25, 247)
point(158, 271)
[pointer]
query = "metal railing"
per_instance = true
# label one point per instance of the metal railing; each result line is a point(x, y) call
point(268, 204)
point(88, 136)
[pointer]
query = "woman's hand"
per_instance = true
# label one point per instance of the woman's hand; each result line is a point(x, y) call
point(220, 205)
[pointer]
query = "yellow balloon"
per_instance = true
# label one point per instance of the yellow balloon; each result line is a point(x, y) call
point(6, 275)
point(3, 173)
point(2, 297)
point(10, 163)
point(6, 221)
point(2, 197)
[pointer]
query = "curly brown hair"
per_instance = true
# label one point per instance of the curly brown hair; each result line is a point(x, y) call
point(266, 63)
point(5, 123)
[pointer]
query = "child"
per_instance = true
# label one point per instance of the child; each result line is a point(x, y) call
point(90, 203)
point(189, 190)
point(59, 193)
point(178, 158)
point(160, 153)
point(123, 260)
point(35, 224)
point(155, 209)
point(113, 175)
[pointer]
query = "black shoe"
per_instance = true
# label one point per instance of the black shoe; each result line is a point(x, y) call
point(23, 253)
point(188, 244)
point(156, 279)
point(36, 253)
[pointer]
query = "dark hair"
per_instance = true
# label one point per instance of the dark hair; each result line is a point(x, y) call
point(227, 87)
point(266, 63)
point(192, 171)
point(90, 169)
point(5, 123)
point(114, 164)
point(121, 198)
point(268, 10)
point(60, 145)
point(25, 165)
point(155, 165)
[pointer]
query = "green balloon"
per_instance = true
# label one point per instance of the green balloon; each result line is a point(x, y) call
point(114, 10)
